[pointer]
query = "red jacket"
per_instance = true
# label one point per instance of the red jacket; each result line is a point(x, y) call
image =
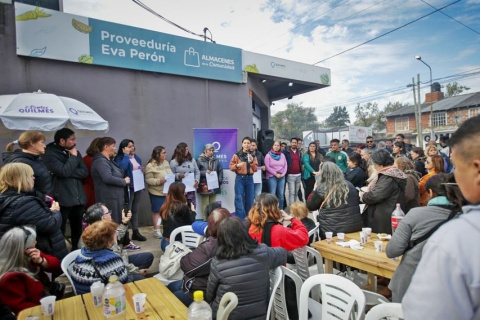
point(20, 291)
point(287, 238)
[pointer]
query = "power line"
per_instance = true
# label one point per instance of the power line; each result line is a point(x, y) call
point(384, 34)
point(452, 18)
point(144, 6)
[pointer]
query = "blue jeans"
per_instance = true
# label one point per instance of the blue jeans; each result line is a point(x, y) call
point(164, 243)
point(176, 288)
point(257, 189)
point(142, 261)
point(277, 187)
point(244, 195)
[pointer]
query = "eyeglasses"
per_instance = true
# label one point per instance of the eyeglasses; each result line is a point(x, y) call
point(371, 141)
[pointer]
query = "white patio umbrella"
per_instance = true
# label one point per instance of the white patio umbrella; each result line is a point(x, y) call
point(47, 112)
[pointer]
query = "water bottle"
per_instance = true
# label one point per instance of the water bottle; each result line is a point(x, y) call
point(199, 309)
point(114, 305)
point(397, 216)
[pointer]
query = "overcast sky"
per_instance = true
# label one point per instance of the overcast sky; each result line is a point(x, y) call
point(311, 31)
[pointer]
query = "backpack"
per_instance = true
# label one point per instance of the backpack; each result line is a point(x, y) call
point(170, 261)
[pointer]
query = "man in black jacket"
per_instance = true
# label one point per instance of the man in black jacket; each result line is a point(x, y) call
point(66, 165)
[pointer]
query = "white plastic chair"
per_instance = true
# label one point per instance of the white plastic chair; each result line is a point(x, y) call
point(373, 298)
point(66, 262)
point(227, 304)
point(278, 302)
point(315, 233)
point(189, 237)
point(341, 298)
point(385, 310)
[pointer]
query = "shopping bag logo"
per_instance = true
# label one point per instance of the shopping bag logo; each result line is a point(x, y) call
point(191, 58)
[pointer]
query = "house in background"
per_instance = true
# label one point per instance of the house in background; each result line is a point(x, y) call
point(448, 114)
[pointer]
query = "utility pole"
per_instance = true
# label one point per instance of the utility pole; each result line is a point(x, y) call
point(416, 111)
point(420, 133)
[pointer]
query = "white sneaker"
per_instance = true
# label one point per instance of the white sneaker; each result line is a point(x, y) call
point(157, 234)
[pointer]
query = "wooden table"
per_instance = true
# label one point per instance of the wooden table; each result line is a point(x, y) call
point(161, 304)
point(374, 263)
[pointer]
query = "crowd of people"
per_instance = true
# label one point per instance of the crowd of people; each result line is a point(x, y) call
point(42, 187)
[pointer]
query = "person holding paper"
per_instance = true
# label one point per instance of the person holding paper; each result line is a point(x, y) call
point(156, 172)
point(244, 165)
point(130, 162)
point(209, 165)
point(261, 167)
point(182, 164)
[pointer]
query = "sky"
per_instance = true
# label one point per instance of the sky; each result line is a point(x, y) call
point(318, 31)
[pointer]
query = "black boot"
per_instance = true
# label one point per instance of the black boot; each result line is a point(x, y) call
point(137, 236)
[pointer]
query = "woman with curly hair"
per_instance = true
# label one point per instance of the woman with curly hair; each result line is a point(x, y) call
point(337, 202)
point(175, 212)
point(182, 163)
point(266, 225)
point(96, 261)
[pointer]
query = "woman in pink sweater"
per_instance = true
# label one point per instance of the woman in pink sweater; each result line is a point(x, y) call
point(276, 168)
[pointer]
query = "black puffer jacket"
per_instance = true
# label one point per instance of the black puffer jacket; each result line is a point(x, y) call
point(21, 209)
point(43, 179)
point(356, 176)
point(196, 266)
point(382, 199)
point(247, 277)
point(345, 218)
point(68, 173)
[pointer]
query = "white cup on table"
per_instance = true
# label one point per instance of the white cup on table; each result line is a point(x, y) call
point(139, 300)
point(97, 291)
point(367, 231)
point(378, 246)
point(341, 236)
point(329, 236)
point(48, 305)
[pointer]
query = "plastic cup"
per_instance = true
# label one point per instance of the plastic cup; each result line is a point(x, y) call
point(97, 291)
point(367, 231)
point(48, 305)
point(341, 236)
point(139, 302)
point(363, 237)
point(378, 246)
point(328, 236)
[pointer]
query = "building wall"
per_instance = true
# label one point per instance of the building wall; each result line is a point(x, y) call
point(150, 108)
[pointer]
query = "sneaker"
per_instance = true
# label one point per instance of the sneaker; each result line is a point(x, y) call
point(131, 247)
point(157, 234)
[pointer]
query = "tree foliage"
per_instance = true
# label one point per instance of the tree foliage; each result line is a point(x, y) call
point(366, 114)
point(293, 121)
point(370, 114)
point(338, 118)
point(454, 89)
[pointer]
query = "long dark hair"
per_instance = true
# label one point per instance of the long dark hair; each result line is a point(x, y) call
point(179, 153)
point(175, 199)
point(443, 184)
point(156, 154)
point(317, 156)
point(122, 145)
point(233, 240)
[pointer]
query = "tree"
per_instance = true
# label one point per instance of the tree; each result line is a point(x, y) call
point(454, 89)
point(366, 115)
point(390, 107)
point(338, 118)
point(293, 121)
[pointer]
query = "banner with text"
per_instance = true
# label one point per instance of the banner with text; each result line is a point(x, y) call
point(50, 34)
point(224, 142)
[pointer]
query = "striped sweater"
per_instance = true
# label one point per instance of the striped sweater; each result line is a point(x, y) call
point(83, 272)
